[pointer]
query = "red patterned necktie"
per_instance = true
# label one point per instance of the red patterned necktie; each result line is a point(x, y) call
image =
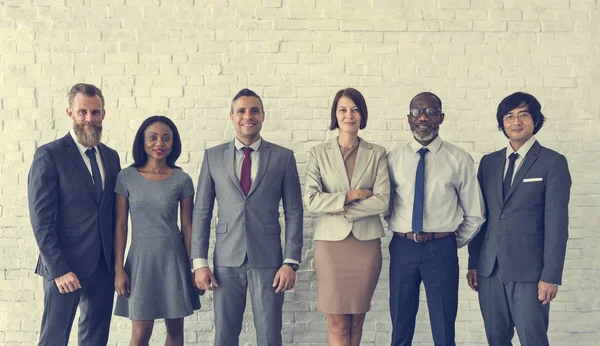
point(245, 174)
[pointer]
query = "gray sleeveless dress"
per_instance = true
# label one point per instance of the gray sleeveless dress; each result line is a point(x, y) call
point(157, 263)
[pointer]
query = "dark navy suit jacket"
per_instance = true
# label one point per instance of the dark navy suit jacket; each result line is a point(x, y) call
point(526, 232)
point(70, 225)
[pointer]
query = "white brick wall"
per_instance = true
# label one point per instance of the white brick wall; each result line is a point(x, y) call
point(187, 58)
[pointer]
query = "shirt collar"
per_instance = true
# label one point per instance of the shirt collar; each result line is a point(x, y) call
point(523, 150)
point(239, 145)
point(433, 146)
point(81, 147)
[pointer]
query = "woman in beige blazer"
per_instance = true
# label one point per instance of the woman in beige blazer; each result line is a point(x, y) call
point(347, 185)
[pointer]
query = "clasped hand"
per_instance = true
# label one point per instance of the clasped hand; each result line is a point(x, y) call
point(284, 280)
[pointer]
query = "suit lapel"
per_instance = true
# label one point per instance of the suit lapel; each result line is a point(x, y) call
point(363, 158)
point(83, 170)
point(498, 174)
point(335, 156)
point(264, 153)
point(108, 169)
point(230, 165)
point(530, 158)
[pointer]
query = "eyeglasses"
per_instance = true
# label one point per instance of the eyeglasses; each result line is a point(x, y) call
point(509, 118)
point(431, 112)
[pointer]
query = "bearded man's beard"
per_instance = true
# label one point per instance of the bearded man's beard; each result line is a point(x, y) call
point(427, 137)
point(89, 137)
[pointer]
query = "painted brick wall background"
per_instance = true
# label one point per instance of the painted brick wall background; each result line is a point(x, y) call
point(187, 58)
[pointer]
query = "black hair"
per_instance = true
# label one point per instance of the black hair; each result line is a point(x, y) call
point(520, 99)
point(139, 152)
point(428, 94)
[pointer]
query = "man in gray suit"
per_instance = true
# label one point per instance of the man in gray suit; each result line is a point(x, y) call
point(516, 260)
point(248, 177)
point(70, 195)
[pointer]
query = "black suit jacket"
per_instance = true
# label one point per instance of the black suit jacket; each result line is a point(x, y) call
point(527, 233)
point(70, 225)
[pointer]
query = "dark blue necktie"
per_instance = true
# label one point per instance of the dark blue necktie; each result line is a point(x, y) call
point(417, 216)
point(91, 153)
point(509, 173)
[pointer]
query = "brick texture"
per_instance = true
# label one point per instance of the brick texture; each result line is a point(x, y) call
point(187, 58)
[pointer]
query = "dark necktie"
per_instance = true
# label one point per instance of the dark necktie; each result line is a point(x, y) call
point(509, 173)
point(245, 173)
point(417, 216)
point(91, 153)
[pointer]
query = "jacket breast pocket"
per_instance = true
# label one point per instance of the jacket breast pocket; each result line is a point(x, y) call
point(67, 232)
point(221, 228)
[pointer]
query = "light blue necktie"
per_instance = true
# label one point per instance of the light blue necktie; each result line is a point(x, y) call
point(417, 216)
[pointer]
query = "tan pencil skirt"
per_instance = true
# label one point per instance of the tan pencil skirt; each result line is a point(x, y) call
point(347, 274)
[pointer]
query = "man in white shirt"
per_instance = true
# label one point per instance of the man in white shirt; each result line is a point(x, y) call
point(516, 261)
point(248, 177)
point(71, 197)
point(436, 207)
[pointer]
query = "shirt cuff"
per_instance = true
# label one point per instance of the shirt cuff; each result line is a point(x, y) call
point(289, 260)
point(198, 263)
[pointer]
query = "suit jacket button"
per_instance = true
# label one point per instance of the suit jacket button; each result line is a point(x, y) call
point(502, 216)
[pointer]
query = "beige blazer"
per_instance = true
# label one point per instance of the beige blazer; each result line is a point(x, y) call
point(326, 186)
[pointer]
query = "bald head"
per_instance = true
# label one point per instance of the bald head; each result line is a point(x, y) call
point(426, 96)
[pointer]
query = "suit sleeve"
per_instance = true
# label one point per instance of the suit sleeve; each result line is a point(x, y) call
point(316, 200)
point(476, 243)
point(203, 211)
point(118, 162)
point(379, 202)
point(42, 187)
point(556, 220)
point(293, 211)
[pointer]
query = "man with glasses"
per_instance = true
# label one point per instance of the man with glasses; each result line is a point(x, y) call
point(516, 261)
point(436, 207)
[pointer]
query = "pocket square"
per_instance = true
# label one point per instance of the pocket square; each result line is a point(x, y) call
point(530, 180)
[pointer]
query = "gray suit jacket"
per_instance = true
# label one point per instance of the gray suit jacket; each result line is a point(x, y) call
point(248, 226)
point(64, 212)
point(527, 232)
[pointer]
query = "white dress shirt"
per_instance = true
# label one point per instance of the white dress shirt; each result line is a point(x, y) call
point(523, 150)
point(239, 158)
point(198, 263)
point(86, 159)
point(453, 200)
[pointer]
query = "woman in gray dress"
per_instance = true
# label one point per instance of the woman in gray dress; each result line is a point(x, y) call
point(155, 282)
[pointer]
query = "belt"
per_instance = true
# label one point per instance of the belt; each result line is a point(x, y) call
point(422, 237)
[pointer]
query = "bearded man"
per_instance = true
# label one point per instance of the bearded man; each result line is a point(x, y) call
point(435, 208)
point(71, 196)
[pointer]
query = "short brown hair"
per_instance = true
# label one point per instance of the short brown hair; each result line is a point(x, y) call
point(86, 89)
point(247, 93)
point(358, 99)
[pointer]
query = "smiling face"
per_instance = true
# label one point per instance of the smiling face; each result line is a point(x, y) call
point(425, 125)
point(347, 115)
point(247, 117)
point(158, 141)
point(518, 126)
point(87, 114)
